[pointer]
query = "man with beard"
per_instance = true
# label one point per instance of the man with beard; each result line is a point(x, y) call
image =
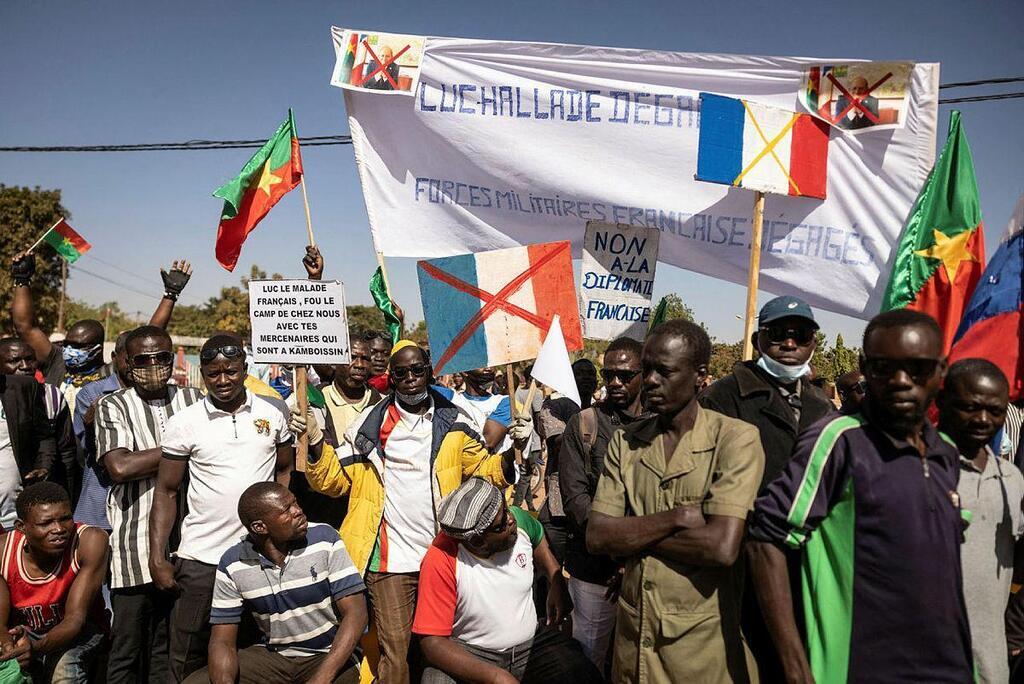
point(474, 613)
point(396, 462)
point(972, 410)
point(478, 394)
point(871, 501)
point(672, 502)
point(17, 358)
point(581, 460)
point(129, 424)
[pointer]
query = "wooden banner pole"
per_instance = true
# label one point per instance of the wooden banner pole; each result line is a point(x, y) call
point(752, 276)
point(510, 382)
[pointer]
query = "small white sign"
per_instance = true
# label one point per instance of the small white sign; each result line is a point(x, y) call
point(298, 321)
point(617, 280)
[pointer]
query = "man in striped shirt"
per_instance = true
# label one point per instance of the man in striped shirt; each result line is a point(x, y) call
point(129, 423)
point(304, 592)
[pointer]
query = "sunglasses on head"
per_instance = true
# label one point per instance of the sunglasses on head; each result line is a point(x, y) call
point(228, 351)
point(417, 369)
point(160, 358)
point(624, 376)
point(919, 370)
point(777, 334)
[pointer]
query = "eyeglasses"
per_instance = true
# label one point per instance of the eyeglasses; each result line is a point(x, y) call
point(160, 358)
point(777, 334)
point(624, 376)
point(417, 369)
point(501, 525)
point(920, 370)
point(228, 351)
point(859, 387)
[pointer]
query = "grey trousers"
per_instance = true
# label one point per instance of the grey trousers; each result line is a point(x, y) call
point(550, 656)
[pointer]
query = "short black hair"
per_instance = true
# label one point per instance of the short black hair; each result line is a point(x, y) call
point(584, 362)
point(902, 318)
point(696, 338)
point(38, 494)
point(252, 503)
point(221, 340)
point(90, 327)
point(626, 344)
point(121, 342)
point(12, 341)
point(146, 331)
point(976, 368)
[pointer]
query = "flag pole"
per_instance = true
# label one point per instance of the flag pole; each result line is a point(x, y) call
point(40, 240)
point(752, 276)
point(301, 397)
point(510, 382)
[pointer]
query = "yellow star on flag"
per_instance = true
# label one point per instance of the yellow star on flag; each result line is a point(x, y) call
point(949, 250)
point(267, 179)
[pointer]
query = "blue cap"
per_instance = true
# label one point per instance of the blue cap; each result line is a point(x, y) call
point(785, 307)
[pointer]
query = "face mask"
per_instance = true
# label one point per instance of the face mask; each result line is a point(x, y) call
point(411, 399)
point(151, 378)
point(781, 370)
point(76, 360)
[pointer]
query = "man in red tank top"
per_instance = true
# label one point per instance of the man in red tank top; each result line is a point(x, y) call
point(51, 569)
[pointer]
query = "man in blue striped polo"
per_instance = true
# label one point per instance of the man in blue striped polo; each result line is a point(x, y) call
point(301, 587)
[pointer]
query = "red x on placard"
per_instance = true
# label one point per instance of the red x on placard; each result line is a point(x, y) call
point(856, 101)
point(492, 302)
point(382, 66)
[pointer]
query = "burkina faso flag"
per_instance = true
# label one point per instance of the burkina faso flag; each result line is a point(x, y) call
point(66, 240)
point(941, 254)
point(274, 170)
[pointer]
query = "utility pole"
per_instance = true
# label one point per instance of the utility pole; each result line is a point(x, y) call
point(63, 294)
point(106, 324)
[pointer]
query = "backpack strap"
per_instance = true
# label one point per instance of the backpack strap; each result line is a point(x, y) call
point(588, 427)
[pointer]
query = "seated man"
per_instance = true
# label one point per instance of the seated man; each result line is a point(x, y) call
point(475, 611)
point(52, 568)
point(304, 592)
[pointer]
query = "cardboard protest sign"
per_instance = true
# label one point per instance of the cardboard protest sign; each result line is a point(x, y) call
point(617, 279)
point(512, 143)
point(492, 308)
point(298, 321)
point(380, 62)
point(859, 96)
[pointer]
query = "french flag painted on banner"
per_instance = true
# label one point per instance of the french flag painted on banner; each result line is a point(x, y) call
point(993, 324)
point(495, 307)
point(750, 145)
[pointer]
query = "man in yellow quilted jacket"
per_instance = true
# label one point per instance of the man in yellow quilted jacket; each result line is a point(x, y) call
point(396, 462)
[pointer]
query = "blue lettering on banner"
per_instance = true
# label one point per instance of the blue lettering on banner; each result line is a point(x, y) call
point(617, 96)
point(603, 311)
point(463, 89)
point(591, 106)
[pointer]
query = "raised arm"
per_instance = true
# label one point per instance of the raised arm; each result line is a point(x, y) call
point(92, 562)
point(23, 313)
point(169, 476)
point(174, 282)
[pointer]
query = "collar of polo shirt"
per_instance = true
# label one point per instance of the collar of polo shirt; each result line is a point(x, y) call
point(212, 410)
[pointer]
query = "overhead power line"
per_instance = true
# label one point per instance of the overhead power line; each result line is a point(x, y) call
point(323, 140)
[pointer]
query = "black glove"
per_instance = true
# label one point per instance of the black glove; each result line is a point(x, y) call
point(23, 269)
point(175, 280)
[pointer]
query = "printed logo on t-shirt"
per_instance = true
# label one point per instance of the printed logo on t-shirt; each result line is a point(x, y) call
point(262, 426)
point(521, 560)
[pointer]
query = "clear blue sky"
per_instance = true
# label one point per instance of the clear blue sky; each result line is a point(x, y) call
point(77, 73)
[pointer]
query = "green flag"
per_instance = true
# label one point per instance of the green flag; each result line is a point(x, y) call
point(379, 292)
point(658, 317)
point(315, 396)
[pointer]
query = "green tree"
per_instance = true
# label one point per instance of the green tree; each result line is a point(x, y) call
point(25, 214)
point(114, 320)
point(676, 308)
point(363, 319)
point(723, 357)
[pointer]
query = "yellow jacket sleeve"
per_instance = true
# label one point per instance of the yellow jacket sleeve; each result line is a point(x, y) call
point(327, 475)
point(478, 461)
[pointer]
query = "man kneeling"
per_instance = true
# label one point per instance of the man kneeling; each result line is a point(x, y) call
point(475, 612)
point(300, 584)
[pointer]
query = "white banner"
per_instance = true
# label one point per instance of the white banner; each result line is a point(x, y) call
point(298, 321)
point(617, 280)
point(507, 143)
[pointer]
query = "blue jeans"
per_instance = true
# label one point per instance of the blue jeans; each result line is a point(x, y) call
point(74, 664)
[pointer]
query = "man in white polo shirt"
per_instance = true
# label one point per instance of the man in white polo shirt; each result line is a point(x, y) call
point(225, 443)
point(475, 613)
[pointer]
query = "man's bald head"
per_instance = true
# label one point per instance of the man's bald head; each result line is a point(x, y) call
point(85, 333)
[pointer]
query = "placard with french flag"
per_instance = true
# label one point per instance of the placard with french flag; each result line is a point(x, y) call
point(750, 145)
point(495, 307)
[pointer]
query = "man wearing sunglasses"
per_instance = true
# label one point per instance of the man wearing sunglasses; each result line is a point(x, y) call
point(228, 441)
point(129, 423)
point(773, 394)
point(851, 388)
point(396, 462)
point(581, 460)
point(870, 500)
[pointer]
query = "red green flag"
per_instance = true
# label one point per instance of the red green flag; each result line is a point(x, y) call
point(941, 254)
point(381, 297)
point(274, 170)
point(68, 243)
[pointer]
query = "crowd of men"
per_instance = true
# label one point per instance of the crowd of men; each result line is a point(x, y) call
point(671, 531)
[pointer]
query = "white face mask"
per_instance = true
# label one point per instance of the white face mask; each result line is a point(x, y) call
point(781, 370)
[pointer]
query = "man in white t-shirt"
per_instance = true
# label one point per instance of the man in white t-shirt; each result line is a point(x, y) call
point(495, 407)
point(225, 443)
point(475, 613)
